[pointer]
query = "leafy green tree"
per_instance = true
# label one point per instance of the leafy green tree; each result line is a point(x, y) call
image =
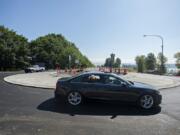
point(161, 61)
point(117, 63)
point(110, 62)
point(51, 49)
point(150, 62)
point(13, 50)
point(112, 59)
point(140, 62)
point(54, 49)
point(177, 56)
point(107, 62)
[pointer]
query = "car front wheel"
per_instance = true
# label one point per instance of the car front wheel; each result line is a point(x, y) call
point(146, 101)
point(74, 98)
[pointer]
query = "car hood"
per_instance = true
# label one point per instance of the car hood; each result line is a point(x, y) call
point(64, 78)
point(142, 85)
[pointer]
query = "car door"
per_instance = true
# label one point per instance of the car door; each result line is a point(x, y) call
point(94, 86)
point(117, 89)
point(89, 85)
point(81, 84)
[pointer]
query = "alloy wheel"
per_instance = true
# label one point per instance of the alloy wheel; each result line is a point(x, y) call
point(146, 101)
point(74, 98)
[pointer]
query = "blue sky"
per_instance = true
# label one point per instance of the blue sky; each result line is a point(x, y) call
point(99, 27)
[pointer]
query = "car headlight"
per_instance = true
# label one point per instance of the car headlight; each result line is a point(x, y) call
point(157, 92)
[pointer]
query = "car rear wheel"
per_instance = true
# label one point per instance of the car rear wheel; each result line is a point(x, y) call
point(74, 98)
point(146, 101)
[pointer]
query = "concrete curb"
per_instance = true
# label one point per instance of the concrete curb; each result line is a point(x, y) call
point(159, 81)
point(23, 85)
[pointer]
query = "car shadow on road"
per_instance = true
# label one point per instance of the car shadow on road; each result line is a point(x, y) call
point(97, 109)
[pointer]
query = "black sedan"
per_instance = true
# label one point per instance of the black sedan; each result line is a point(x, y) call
point(105, 86)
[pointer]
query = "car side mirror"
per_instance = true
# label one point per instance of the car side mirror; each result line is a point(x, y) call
point(117, 82)
point(124, 84)
point(131, 82)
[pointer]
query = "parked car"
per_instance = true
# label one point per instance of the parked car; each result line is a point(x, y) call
point(105, 86)
point(34, 68)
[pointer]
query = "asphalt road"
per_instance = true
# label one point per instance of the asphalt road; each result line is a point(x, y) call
point(33, 111)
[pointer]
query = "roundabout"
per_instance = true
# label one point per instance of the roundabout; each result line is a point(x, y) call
point(48, 79)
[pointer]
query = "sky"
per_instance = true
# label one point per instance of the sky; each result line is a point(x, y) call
point(100, 27)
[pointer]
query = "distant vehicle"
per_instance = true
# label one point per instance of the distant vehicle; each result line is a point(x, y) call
point(105, 86)
point(34, 68)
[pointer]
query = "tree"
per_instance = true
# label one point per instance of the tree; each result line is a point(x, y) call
point(110, 62)
point(161, 61)
point(107, 62)
point(13, 50)
point(54, 49)
point(117, 63)
point(140, 62)
point(177, 56)
point(150, 62)
point(51, 49)
point(112, 59)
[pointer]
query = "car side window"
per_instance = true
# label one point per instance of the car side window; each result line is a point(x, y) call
point(85, 79)
point(77, 79)
point(93, 78)
point(112, 80)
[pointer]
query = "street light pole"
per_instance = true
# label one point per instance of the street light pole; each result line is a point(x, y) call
point(162, 47)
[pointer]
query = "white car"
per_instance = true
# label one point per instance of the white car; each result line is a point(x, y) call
point(34, 68)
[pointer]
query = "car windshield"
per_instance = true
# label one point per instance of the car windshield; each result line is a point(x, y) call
point(126, 81)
